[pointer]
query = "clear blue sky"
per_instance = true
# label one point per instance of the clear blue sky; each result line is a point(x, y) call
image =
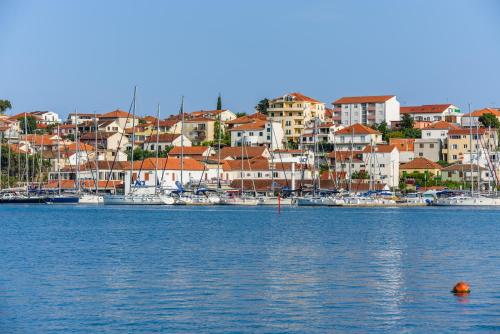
point(58, 55)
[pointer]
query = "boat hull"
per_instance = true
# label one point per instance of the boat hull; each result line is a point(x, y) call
point(62, 200)
point(132, 200)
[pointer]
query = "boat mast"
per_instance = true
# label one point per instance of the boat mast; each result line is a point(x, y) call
point(157, 143)
point(218, 154)
point(351, 158)
point(58, 162)
point(96, 156)
point(272, 158)
point(77, 154)
point(182, 141)
point(8, 158)
point(470, 154)
point(133, 141)
point(1, 144)
point(242, 173)
point(26, 164)
point(477, 157)
point(316, 161)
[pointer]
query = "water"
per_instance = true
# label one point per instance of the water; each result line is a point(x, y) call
point(247, 270)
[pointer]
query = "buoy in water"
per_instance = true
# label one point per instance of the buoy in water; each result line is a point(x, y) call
point(461, 288)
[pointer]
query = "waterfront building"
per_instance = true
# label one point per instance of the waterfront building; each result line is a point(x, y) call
point(420, 165)
point(325, 134)
point(108, 141)
point(365, 110)
point(356, 137)
point(431, 149)
point(258, 132)
point(484, 142)
point(461, 173)
point(295, 111)
point(473, 117)
point(406, 148)
point(433, 112)
point(166, 140)
point(382, 164)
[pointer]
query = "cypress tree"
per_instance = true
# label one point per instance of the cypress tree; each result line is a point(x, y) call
point(219, 102)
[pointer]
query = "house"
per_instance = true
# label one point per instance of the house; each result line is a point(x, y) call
point(420, 165)
point(78, 118)
point(42, 142)
point(438, 130)
point(356, 137)
point(46, 117)
point(9, 128)
point(365, 110)
point(109, 141)
point(199, 129)
point(431, 149)
point(325, 134)
point(195, 152)
point(293, 155)
point(406, 148)
point(238, 153)
point(166, 140)
point(461, 173)
point(382, 164)
point(294, 111)
point(124, 119)
point(258, 133)
point(483, 140)
point(433, 112)
point(473, 117)
point(222, 115)
point(245, 120)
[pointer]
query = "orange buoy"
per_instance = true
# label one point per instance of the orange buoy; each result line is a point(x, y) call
point(461, 288)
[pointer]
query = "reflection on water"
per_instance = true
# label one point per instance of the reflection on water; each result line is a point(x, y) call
point(205, 270)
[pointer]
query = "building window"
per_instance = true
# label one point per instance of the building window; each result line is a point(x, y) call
point(239, 134)
point(421, 145)
point(251, 133)
point(454, 157)
point(454, 146)
point(261, 134)
point(431, 145)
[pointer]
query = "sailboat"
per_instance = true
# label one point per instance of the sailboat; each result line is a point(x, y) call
point(135, 196)
point(95, 198)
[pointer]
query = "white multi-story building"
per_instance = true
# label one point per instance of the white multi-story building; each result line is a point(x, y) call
point(325, 134)
point(356, 138)
point(382, 164)
point(366, 110)
point(46, 117)
point(294, 111)
point(76, 118)
point(258, 133)
point(438, 130)
point(433, 112)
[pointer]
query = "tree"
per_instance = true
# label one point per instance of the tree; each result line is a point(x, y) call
point(383, 129)
point(412, 133)
point(489, 120)
point(4, 105)
point(407, 122)
point(30, 124)
point(241, 114)
point(262, 106)
point(219, 102)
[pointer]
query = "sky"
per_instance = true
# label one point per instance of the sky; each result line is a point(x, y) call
point(88, 55)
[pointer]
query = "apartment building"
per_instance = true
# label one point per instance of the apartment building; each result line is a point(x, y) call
point(356, 137)
point(433, 112)
point(366, 110)
point(483, 141)
point(473, 117)
point(295, 111)
point(258, 133)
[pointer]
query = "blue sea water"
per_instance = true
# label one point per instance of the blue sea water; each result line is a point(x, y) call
point(85, 269)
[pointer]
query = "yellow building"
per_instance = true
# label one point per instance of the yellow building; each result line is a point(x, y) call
point(295, 111)
point(484, 141)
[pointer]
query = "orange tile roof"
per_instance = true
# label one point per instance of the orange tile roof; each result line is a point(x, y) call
point(73, 147)
point(206, 112)
point(425, 109)
point(358, 129)
point(169, 163)
point(441, 125)
point(199, 120)
point(165, 137)
point(379, 149)
point(248, 152)
point(298, 97)
point(363, 99)
point(345, 155)
point(421, 163)
point(248, 118)
point(85, 184)
point(256, 124)
point(403, 144)
point(481, 112)
point(466, 131)
point(39, 140)
point(116, 114)
point(189, 150)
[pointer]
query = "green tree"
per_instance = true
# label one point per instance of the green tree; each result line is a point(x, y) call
point(241, 114)
point(4, 105)
point(489, 120)
point(262, 106)
point(383, 128)
point(412, 133)
point(407, 122)
point(219, 102)
point(30, 124)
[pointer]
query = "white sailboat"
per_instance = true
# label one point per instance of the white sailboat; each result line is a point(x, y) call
point(89, 198)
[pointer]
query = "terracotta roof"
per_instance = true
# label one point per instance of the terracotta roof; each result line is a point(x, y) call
point(256, 124)
point(84, 184)
point(116, 114)
point(289, 151)
point(248, 152)
point(358, 129)
point(169, 122)
point(189, 150)
point(247, 118)
point(481, 112)
point(207, 112)
point(102, 164)
point(169, 163)
point(39, 140)
point(363, 99)
point(81, 146)
point(425, 109)
point(298, 97)
point(165, 137)
point(259, 164)
point(379, 149)
point(403, 144)
point(21, 115)
point(198, 120)
point(345, 155)
point(421, 163)
point(441, 125)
